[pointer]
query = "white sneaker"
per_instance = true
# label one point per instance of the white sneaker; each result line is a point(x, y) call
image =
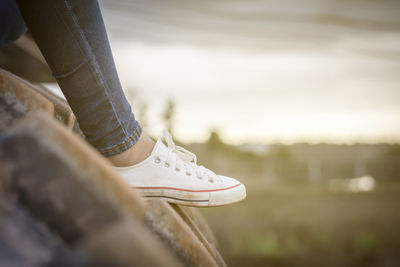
point(172, 173)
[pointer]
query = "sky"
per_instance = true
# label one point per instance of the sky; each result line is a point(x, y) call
point(262, 71)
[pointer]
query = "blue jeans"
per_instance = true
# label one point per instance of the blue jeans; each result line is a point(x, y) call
point(73, 40)
point(12, 25)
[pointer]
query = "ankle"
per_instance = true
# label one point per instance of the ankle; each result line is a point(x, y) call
point(134, 155)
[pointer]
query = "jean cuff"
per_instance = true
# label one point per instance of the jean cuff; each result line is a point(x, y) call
point(123, 146)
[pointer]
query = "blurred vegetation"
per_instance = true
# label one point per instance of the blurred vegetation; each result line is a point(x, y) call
point(293, 217)
point(306, 226)
point(300, 163)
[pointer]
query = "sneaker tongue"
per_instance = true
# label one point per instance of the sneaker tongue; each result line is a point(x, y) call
point(159, 147)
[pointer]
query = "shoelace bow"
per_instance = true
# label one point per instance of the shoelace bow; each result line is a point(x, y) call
point(184, 159)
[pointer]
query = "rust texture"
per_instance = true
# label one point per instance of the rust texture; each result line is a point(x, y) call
point(85, 158)
point(194, 214)
point(58, 192)
point(22, 90)
point(29, 242)
point(52, 178)
point(11, 109)
point(62, 111)
point(128, 244)
point(170, 227)
point(189, 215)
point(54, 189)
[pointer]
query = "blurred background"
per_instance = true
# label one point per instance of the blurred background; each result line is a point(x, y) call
point(263, 71)
point(298, 99)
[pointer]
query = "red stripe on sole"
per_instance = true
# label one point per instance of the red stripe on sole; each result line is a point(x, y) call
point(188, 190)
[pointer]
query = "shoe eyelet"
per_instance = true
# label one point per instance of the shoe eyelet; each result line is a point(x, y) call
point(188, 174)
point(157, 160)
point(167, 164)
point(211, 180)
point(177, 169)
point(200, 177)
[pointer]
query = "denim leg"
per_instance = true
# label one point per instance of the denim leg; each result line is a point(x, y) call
point(12, 25)
point(73, 39)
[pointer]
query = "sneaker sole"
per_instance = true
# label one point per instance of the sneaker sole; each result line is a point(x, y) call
point(196, 198)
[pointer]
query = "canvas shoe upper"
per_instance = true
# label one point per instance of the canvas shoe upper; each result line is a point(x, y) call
point(171, 172)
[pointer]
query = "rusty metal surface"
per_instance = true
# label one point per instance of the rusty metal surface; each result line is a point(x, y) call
point(62, 111)
point(187, 215)
point(128, 244)
point(170, 227)
point(194, 228)
point(59, 193)
point(182, 229)
point(11, 109)
point(26, 241)
point(194, 214)
point(22, 90)
point(90, 163)
point(53, 188)
point(25, 97)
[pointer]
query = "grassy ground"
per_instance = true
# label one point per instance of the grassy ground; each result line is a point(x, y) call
point(309, 226)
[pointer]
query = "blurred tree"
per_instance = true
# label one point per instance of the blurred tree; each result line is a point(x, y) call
point(214, 141)
point(168, 116)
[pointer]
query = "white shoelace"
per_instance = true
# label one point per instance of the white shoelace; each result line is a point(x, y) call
point(185, 160)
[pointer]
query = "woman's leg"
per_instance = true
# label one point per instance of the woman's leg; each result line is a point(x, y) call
point(12, 25)
point(73, 39)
